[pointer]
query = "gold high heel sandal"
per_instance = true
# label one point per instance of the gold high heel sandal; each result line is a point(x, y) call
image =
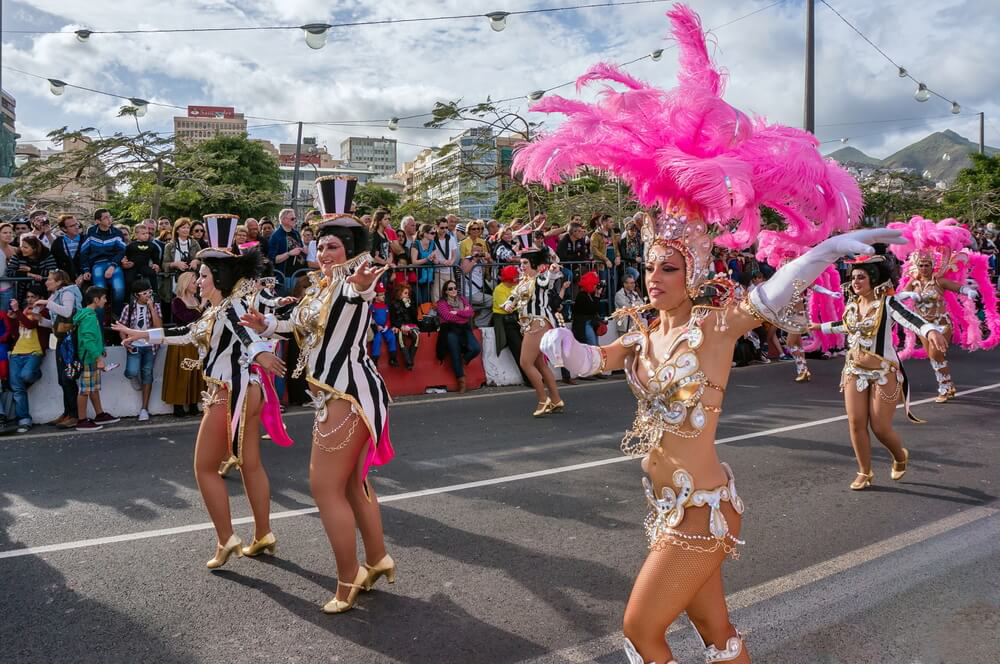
point(803, 377)
point(899, 467)
point(265, 544)
point(385, 567)
point(338, 605)
point(863, 481)
point(222, 552)
point(543, 408)
point(556, 407)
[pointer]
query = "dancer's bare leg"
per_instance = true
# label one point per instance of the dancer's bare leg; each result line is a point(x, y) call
point(881, 414)
point(530, 351)
point(366, 511)
point(857, 419)
point(255, 482)
point(331, 465)
point(211, 448)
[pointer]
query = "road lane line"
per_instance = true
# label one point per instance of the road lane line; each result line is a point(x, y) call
point(163, 532)
point(748, 597)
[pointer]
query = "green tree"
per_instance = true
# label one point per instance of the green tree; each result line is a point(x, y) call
point(369, 197)
point(975, 195)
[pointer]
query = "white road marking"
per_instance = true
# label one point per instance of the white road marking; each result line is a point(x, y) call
point(409, 495)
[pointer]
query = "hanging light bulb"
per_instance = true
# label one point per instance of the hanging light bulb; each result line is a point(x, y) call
point(922, 94)
point(316, 34)
point(955, 108)
point(140, 106)
point(56, 86)
point(656, 55)
point(903, 73)
point(498, 20)
point(844, 139)
point(536, 95)
point(83, 35)
point(393, 124)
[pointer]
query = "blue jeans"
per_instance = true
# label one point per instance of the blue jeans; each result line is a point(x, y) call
point(6, 296)
point(117, 283)
point(24, 371)
point(590, 333)
point(140, 364)
point(453, 338)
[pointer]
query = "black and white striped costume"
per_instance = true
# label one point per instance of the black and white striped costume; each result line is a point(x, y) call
point(226, 350)
point(531, 299)
point(873, 334)
point(330, 324)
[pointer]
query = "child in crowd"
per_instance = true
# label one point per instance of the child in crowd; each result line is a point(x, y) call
point(382, 327)
point(25, 358)
point(141, 313)
point(90, 353)
point(143, 257)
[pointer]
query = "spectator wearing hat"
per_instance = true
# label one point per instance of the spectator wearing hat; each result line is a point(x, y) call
point(382, 327)
point(586, 309)
point(506, 328)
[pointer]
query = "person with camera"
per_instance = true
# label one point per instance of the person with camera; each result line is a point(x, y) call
point(40, 227)
point(475, 277)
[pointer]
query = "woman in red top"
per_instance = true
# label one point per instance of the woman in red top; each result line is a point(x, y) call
point(455, 337)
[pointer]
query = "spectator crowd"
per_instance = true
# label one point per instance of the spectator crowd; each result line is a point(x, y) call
point(63, 283)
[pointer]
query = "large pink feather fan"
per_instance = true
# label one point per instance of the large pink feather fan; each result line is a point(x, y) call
point(922, 234)
point(686, 147)
point(947, 240)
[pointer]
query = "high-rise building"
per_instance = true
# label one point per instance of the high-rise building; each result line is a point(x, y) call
point(312, 154)
point(8, 137)
point(376, 154)
point(462, 178)
point(71, 194)
point(205, 122)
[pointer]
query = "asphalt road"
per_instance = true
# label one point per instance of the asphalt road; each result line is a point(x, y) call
point(517, 539)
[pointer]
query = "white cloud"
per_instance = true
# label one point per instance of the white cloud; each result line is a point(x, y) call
point(377, 72)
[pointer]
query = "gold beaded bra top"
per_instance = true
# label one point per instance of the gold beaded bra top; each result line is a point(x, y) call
point(862, 329)
point(930, 304)
point(670, 400)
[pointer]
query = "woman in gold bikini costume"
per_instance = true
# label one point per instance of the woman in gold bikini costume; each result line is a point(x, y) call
point(693, 161)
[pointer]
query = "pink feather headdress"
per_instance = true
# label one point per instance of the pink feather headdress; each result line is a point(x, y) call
point(694, 157)
point(944, 244)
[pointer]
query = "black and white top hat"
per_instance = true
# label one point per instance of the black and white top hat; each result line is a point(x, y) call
point(334, 199)
point(220, 229)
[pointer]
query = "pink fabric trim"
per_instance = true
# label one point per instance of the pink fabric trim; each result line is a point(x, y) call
point(381, 454)
point(270, 414)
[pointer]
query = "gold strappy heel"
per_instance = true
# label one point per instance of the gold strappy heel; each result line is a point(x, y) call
point(556, 407)
point(543, 408)
point(863, 481)
point(338, 605)
point(385, 567)
point(899, 467)
point(265, 544)
point(232, 547)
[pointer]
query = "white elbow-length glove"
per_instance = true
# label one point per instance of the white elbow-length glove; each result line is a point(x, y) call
point(816, 288)
point(770, 297)
point(970, 289)
point(563, 350)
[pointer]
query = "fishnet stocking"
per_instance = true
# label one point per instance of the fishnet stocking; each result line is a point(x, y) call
point(674, 579)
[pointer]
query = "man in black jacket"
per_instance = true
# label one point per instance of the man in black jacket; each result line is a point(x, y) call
point(66, 247)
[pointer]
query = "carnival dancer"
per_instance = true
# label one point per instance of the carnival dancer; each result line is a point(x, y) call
point(530, 299)
point(777, 251)
point(230, 424)
point(874, 379)
point(351, 430)
point(695, 161)
point(943, 280)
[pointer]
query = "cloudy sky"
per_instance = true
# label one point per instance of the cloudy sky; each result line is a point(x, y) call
point(377, 72)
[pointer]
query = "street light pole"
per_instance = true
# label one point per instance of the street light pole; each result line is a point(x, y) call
point(295, 173)
point(982, 133)
point(809, 122)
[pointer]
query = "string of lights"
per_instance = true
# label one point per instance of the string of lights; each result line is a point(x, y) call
point(923, 93)
point(846, 139)
point(315, 33)
point(58, 86)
